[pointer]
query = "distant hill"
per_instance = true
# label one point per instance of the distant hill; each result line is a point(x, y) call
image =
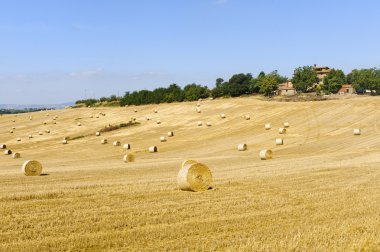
point(35, 106)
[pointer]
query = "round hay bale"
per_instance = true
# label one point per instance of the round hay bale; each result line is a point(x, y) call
point(279, 141)
point(156, 111)
point(18, 139)
point(3, 146)
point(242, 147)
point(247, 117)
point(128, 158)
point(199, 123)
point(282, 130)
point(11, 131)
point(32, 168)
point(16, 155)
point(135, 110)
point(116, 143)
point(198, 104)
point(40, 133)
point(162, 139)
point(357, 132)
point(286, 125)
point(222, 116)
point(127, 146)
point(170, 133)
point(152, 149)
point(64, 141)
point(30, 118)
point(54, 122)
point(7, 152)
point(147, 118)
point(104, 141)
point(188, 161)
point(199, 110)
point(97, 133)
point(91, 116)
point(265, 154)
point(45, 123)
point(30, 136)
point(208, 124)
point(158, 122)
point(47, 131)
point(97, 116)
point(194, 177)
point(13, 128)
point(267, 126)
point(79, 124)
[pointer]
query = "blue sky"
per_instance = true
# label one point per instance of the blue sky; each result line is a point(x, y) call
point(57, 51)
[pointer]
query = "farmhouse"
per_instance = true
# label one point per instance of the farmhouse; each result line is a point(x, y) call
point(346, 89)
point(322, 72)
point(286, 88)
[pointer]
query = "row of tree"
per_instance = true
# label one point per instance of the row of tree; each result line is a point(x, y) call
point(304, 80)
point(19, 111)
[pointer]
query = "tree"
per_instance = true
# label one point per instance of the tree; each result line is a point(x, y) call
point(365, 79)
point(269, 83)
point(304, 78)
point(333, 81)
point(239, 84)
point(173, 93)
point(193, 92)
point(220, 88)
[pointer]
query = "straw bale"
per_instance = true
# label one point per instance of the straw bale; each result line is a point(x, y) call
point(194, 177)
point(279, 141)
point(32, 168)
point(265, 154)
point(128, 158)
point(242, 147)
point(152, 149)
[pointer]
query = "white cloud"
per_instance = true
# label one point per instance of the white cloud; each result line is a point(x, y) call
point(85, 73)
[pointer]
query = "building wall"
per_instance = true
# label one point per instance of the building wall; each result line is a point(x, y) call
point(288, 92)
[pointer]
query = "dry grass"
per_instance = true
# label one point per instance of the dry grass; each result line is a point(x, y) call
point(320, 192)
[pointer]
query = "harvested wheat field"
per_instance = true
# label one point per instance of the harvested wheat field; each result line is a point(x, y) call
point(319, 192)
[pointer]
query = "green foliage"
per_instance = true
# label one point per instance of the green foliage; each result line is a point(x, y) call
point(220, 88)
point(238, 84)
point(193, 92)
point(268, 84)
point(365, 79)
point(173, 93)
point(333, 81)
point(88, 102)
point(304, 78)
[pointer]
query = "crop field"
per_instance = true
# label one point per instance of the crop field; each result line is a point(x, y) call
point(319, 192)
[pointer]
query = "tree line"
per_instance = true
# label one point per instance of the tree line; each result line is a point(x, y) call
point(304, 80)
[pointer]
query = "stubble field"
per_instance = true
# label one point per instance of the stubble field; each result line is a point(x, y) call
point(320, 192)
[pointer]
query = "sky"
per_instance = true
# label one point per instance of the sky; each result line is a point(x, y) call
point(60, 51)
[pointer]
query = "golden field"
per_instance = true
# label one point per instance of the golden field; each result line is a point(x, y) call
point(320, 192)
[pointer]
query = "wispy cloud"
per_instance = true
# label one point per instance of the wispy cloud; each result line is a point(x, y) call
point(85, 73)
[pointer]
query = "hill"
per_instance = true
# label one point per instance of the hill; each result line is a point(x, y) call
point(321, 191)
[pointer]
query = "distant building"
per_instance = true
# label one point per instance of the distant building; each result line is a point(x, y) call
point(346, 89)
point(322, 72)
point(286, 88)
